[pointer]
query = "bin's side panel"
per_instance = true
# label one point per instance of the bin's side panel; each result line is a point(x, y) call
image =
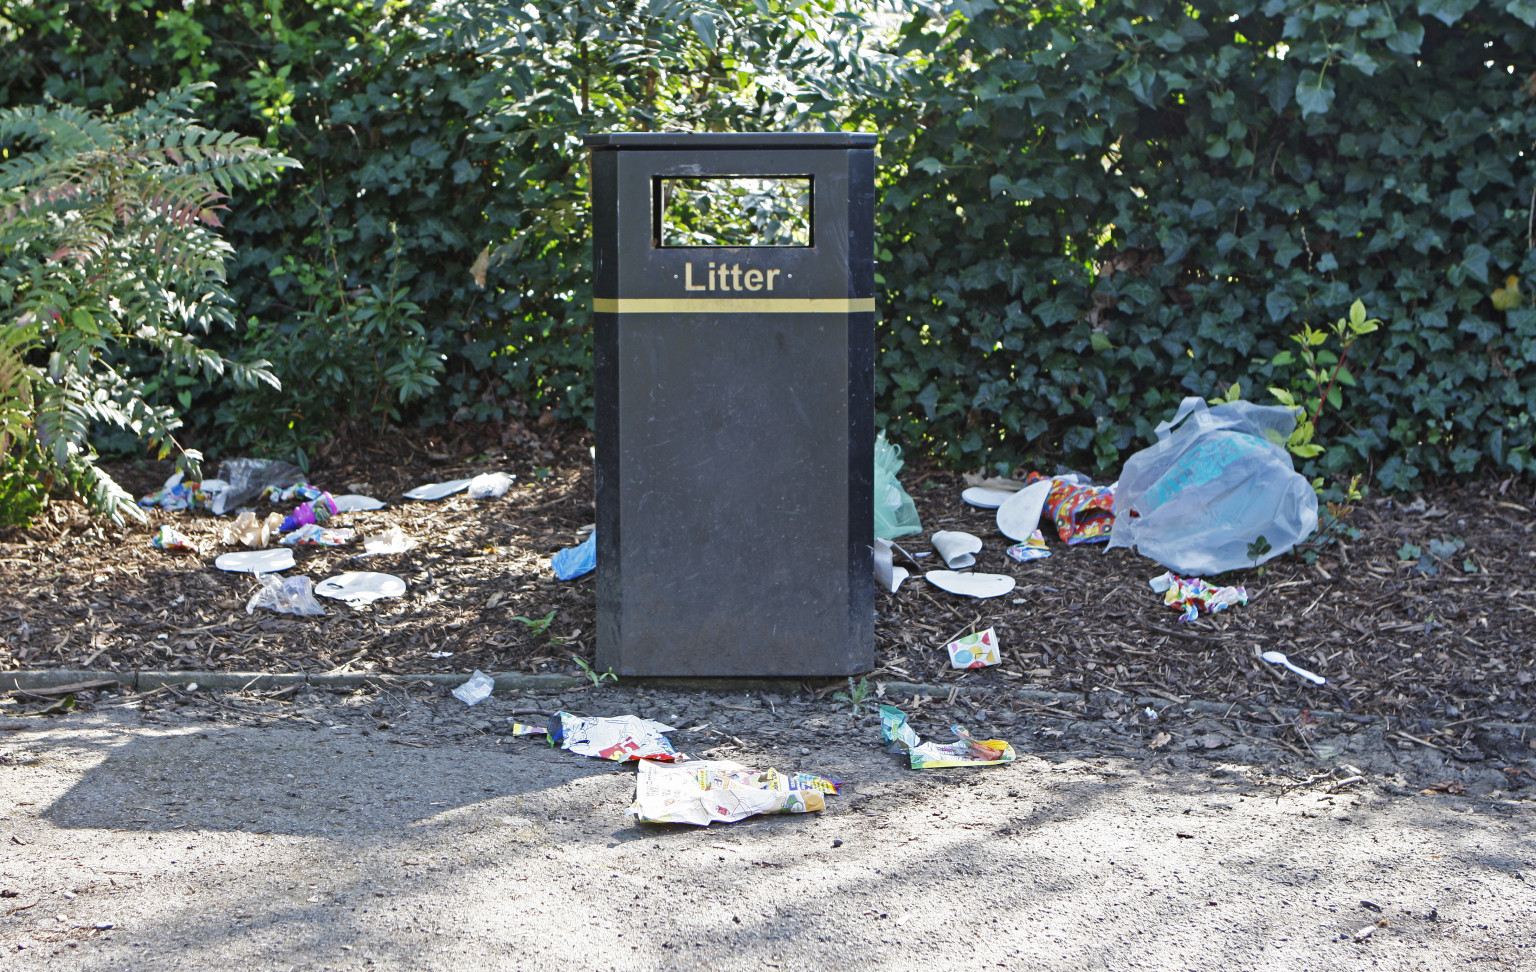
point(606, 378)
point(860, 230)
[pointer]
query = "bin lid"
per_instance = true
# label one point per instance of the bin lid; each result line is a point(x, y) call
point(731, 140)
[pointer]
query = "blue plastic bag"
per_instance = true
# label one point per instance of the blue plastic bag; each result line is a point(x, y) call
point(572, 562)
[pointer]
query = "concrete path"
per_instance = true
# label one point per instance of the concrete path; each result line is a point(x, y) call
point(203, 836)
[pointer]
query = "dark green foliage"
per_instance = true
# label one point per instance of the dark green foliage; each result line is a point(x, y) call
point(108, 250)
point(1093, 210)
point(1089, 210)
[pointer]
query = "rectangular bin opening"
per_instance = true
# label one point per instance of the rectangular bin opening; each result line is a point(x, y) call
point(733, 211)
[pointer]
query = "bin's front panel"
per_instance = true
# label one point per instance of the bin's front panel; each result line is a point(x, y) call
point(734, 433)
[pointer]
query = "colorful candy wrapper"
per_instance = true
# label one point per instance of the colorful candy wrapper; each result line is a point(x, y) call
point(170, 538)
point(900, 738)
point(318, 510)
point(523, 729)
point(706, 791)
point(315, 535)
point(620, 738)
point(974, 650)
point(1032, 549)
point(1195, 595)
point(1082, 514)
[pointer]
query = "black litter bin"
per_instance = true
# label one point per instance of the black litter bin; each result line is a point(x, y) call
point(733, 305)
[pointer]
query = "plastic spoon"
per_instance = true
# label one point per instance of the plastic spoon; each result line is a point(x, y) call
point(1278, 658)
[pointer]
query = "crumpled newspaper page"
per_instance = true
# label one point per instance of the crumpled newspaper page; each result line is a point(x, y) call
point(969, 751)
point(704, 791)
point(619, 738)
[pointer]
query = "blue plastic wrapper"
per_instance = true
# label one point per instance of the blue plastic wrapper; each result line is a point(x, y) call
point(572, 562)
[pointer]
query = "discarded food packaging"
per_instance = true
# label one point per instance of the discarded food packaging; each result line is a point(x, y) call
point(708, 791)
point(900, 738)
point(437, 491)
point(970, 585)
point(619, 738)
point(957, 549)
point(359, 587)
point(974, 650)
point(255, 561)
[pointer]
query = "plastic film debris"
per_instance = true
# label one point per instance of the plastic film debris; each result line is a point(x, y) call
point(899, 738)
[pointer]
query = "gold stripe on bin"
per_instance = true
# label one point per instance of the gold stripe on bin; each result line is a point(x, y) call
point(733, 305)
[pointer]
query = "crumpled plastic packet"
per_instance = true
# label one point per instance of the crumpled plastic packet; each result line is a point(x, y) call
point(573, 562)
point(489, 485)
point(391, 541)
point(170, 538)
point(1082, 513)
point(318, 510)
point(315, 535)
point(1032, 549)
point(1195, 595)
point(899, 738)
point(974, 650)
point(706, 791)
point(477, 689)
point(250, 532)
point(619, 738)
point(303, 492)
point(285, 595)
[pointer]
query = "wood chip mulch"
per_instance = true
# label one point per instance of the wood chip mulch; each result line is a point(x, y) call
point(1414, 637)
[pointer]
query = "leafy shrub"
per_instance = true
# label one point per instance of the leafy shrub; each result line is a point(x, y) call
point(107, 238)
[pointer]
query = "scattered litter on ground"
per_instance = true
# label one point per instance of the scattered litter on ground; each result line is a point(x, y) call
point(301, 492)
point(573, 562)
point(170, 538)
point(248, 479)
point(1279, 658)
point(1082, 513)
point(970, 585)
point(178, 495)
point(1195, 595)
point(888, 576)
point(489, 485)
point(285, 595)
point(899, 738)
point(1198, 499)
point(255, 561)
point(392, 541)
point(619, 738)
point(247, 531)
point(984, 498)
point(353, 503)
point(974, 650)
point(315, 535)
point(895, 513)
point(524, 729)
point(956, 549)
point(1019, 517)
point(318, 510)
point(477, 689)
point(437, 491)
point(704, 792)
point(1032, 549)
point(360, 587)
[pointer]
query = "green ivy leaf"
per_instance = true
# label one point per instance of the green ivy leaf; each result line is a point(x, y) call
point(1314, 93)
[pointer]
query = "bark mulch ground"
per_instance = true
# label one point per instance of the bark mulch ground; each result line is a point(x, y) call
point(1395, 634)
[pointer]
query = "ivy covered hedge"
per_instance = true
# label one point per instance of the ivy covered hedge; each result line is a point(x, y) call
point(1087, 211)
point(1091, 211)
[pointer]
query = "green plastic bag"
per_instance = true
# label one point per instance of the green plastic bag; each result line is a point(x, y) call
point(895, 514)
